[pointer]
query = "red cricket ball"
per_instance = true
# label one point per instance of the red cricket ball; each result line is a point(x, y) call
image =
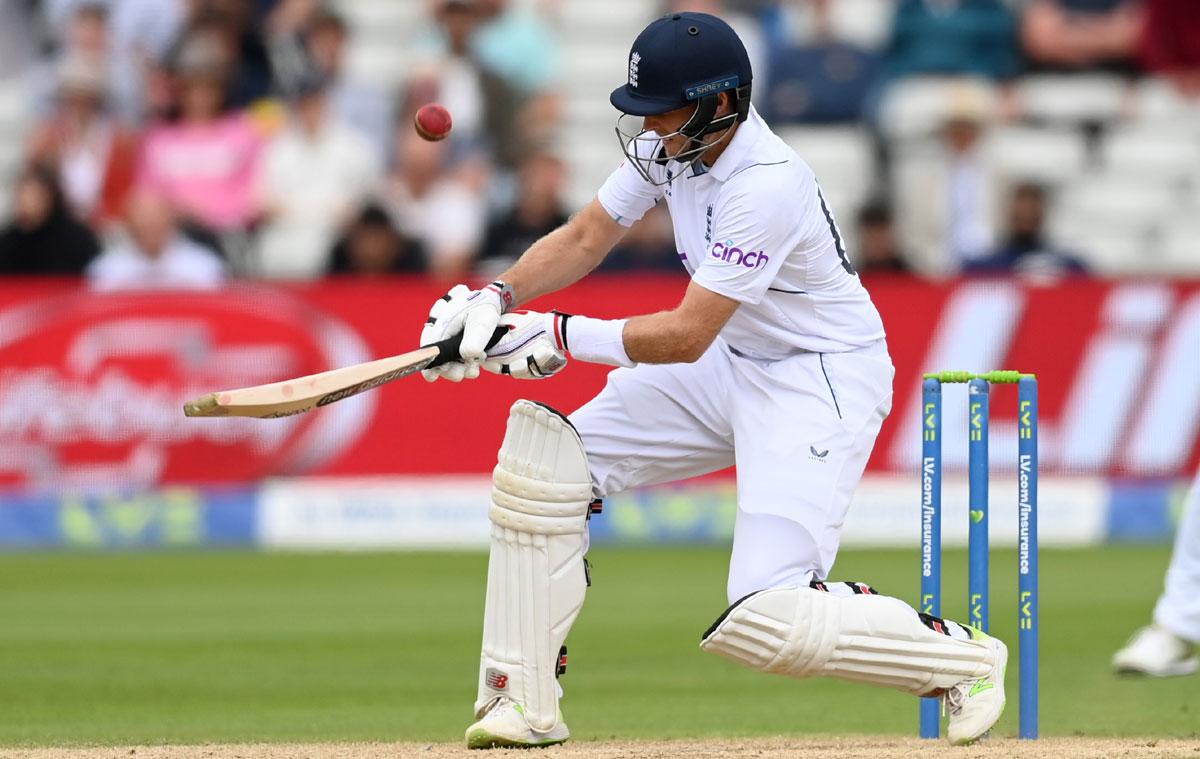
point(432, 122)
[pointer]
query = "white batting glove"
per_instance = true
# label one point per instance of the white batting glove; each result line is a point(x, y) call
point(475, 313)
point(533, 348)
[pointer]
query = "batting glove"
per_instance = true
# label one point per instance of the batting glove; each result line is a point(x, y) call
point(475, 313)
point(533, 348)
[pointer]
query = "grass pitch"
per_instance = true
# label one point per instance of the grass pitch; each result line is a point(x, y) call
point(156, 648)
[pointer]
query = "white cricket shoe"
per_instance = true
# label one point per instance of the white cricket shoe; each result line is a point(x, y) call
point(976, 704)
point(503, 725)
point(1158, 652)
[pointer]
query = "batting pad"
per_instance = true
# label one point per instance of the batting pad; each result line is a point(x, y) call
point(803, 632)
point(536, 579)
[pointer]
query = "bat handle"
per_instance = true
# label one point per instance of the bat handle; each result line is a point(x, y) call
point(448, 349)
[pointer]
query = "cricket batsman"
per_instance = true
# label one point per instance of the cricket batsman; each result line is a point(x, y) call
point(774, 360)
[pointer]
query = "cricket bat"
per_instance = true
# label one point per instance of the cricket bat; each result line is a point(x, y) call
point(295, 396)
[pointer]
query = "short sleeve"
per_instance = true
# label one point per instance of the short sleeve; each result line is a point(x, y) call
point(755, 228)
point(626, 194)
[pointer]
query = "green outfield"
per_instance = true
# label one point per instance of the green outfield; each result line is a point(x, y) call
point(231, 647)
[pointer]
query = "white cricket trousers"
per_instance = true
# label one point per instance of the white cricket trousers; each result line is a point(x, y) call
point(1178, 609)
point(799, 429)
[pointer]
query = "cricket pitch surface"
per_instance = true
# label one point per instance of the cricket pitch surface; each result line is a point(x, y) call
point(814, 747)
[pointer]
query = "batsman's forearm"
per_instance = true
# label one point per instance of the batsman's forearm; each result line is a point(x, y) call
point(650, 339)
point(680, 335)
point(661, 339)
point(552, 263)
point(565, 255)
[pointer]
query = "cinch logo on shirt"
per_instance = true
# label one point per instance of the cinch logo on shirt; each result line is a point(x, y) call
point(726, 251)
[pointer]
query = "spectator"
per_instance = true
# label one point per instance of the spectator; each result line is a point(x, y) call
point(44, 237)
point(356, 102)
point(205, 164)
point(372, 245)
point(1170, 43)
point(518, 56)
point(94, 155)
point(517, 44)
point(84, 36)
point(227, 28)
point(1025, 249)
point(315, 175)
point(156, 254)
point(16, 39)
point(538, 212)
point(131, 37)
point(948, 196)
point(1077, 34)
point(436, 201)
point(489, 113)
point(824, 79)
point(879, 249)
point(445, 69)
point(968, 37)
point(140, 30)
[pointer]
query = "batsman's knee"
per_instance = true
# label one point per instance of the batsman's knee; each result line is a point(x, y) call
point(843, 630)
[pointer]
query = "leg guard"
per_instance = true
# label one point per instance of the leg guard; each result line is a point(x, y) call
point(536, 577)
point(804, 632)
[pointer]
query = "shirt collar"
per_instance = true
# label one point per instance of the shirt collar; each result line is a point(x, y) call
point(737, 154)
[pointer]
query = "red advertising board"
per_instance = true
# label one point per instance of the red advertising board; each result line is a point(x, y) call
point(91, 385)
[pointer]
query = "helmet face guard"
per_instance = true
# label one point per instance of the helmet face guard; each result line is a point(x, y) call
point(636, 143)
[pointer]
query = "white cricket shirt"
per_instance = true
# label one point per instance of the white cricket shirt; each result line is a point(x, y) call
point(754, 227)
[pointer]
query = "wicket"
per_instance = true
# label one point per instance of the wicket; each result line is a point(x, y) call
point(978, 390)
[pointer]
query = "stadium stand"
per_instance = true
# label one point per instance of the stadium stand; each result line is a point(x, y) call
point(1117, 153)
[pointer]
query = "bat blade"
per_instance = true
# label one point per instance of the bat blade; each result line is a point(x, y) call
point(295, 396)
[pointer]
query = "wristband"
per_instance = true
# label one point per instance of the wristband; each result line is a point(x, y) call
point(598, 341)
point(505, 292)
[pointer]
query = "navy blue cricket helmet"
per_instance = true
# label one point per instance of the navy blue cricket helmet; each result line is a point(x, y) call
point(683, 59)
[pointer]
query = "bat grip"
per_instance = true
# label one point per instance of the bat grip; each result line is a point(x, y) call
point(448, 349)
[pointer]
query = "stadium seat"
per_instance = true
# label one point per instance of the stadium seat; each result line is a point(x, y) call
point(382, 64)
point(591, 109)
point(611, 19)
point(12, 153)
point(366, 16)
point(1072, 98)
point(592, 67)
point(1179, 247)
point(1107, 250)
point(593, 155)
point(1151, 152)
point(913, 108)
point(1158, 102)
point(1049, 155)
point(1119, 200)
point(595, 37)
point(841, 157)
point(13, 110)
point(866, 23)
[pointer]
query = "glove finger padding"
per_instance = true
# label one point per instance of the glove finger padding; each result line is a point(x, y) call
point(532, 348)
point(478, 326)
point(446, 315)
point(445, 318)
point(454, 372)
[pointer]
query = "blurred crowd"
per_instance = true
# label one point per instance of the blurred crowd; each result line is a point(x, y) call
point(183, 142)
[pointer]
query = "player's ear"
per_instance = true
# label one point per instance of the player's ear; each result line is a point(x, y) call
point(724, 103)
